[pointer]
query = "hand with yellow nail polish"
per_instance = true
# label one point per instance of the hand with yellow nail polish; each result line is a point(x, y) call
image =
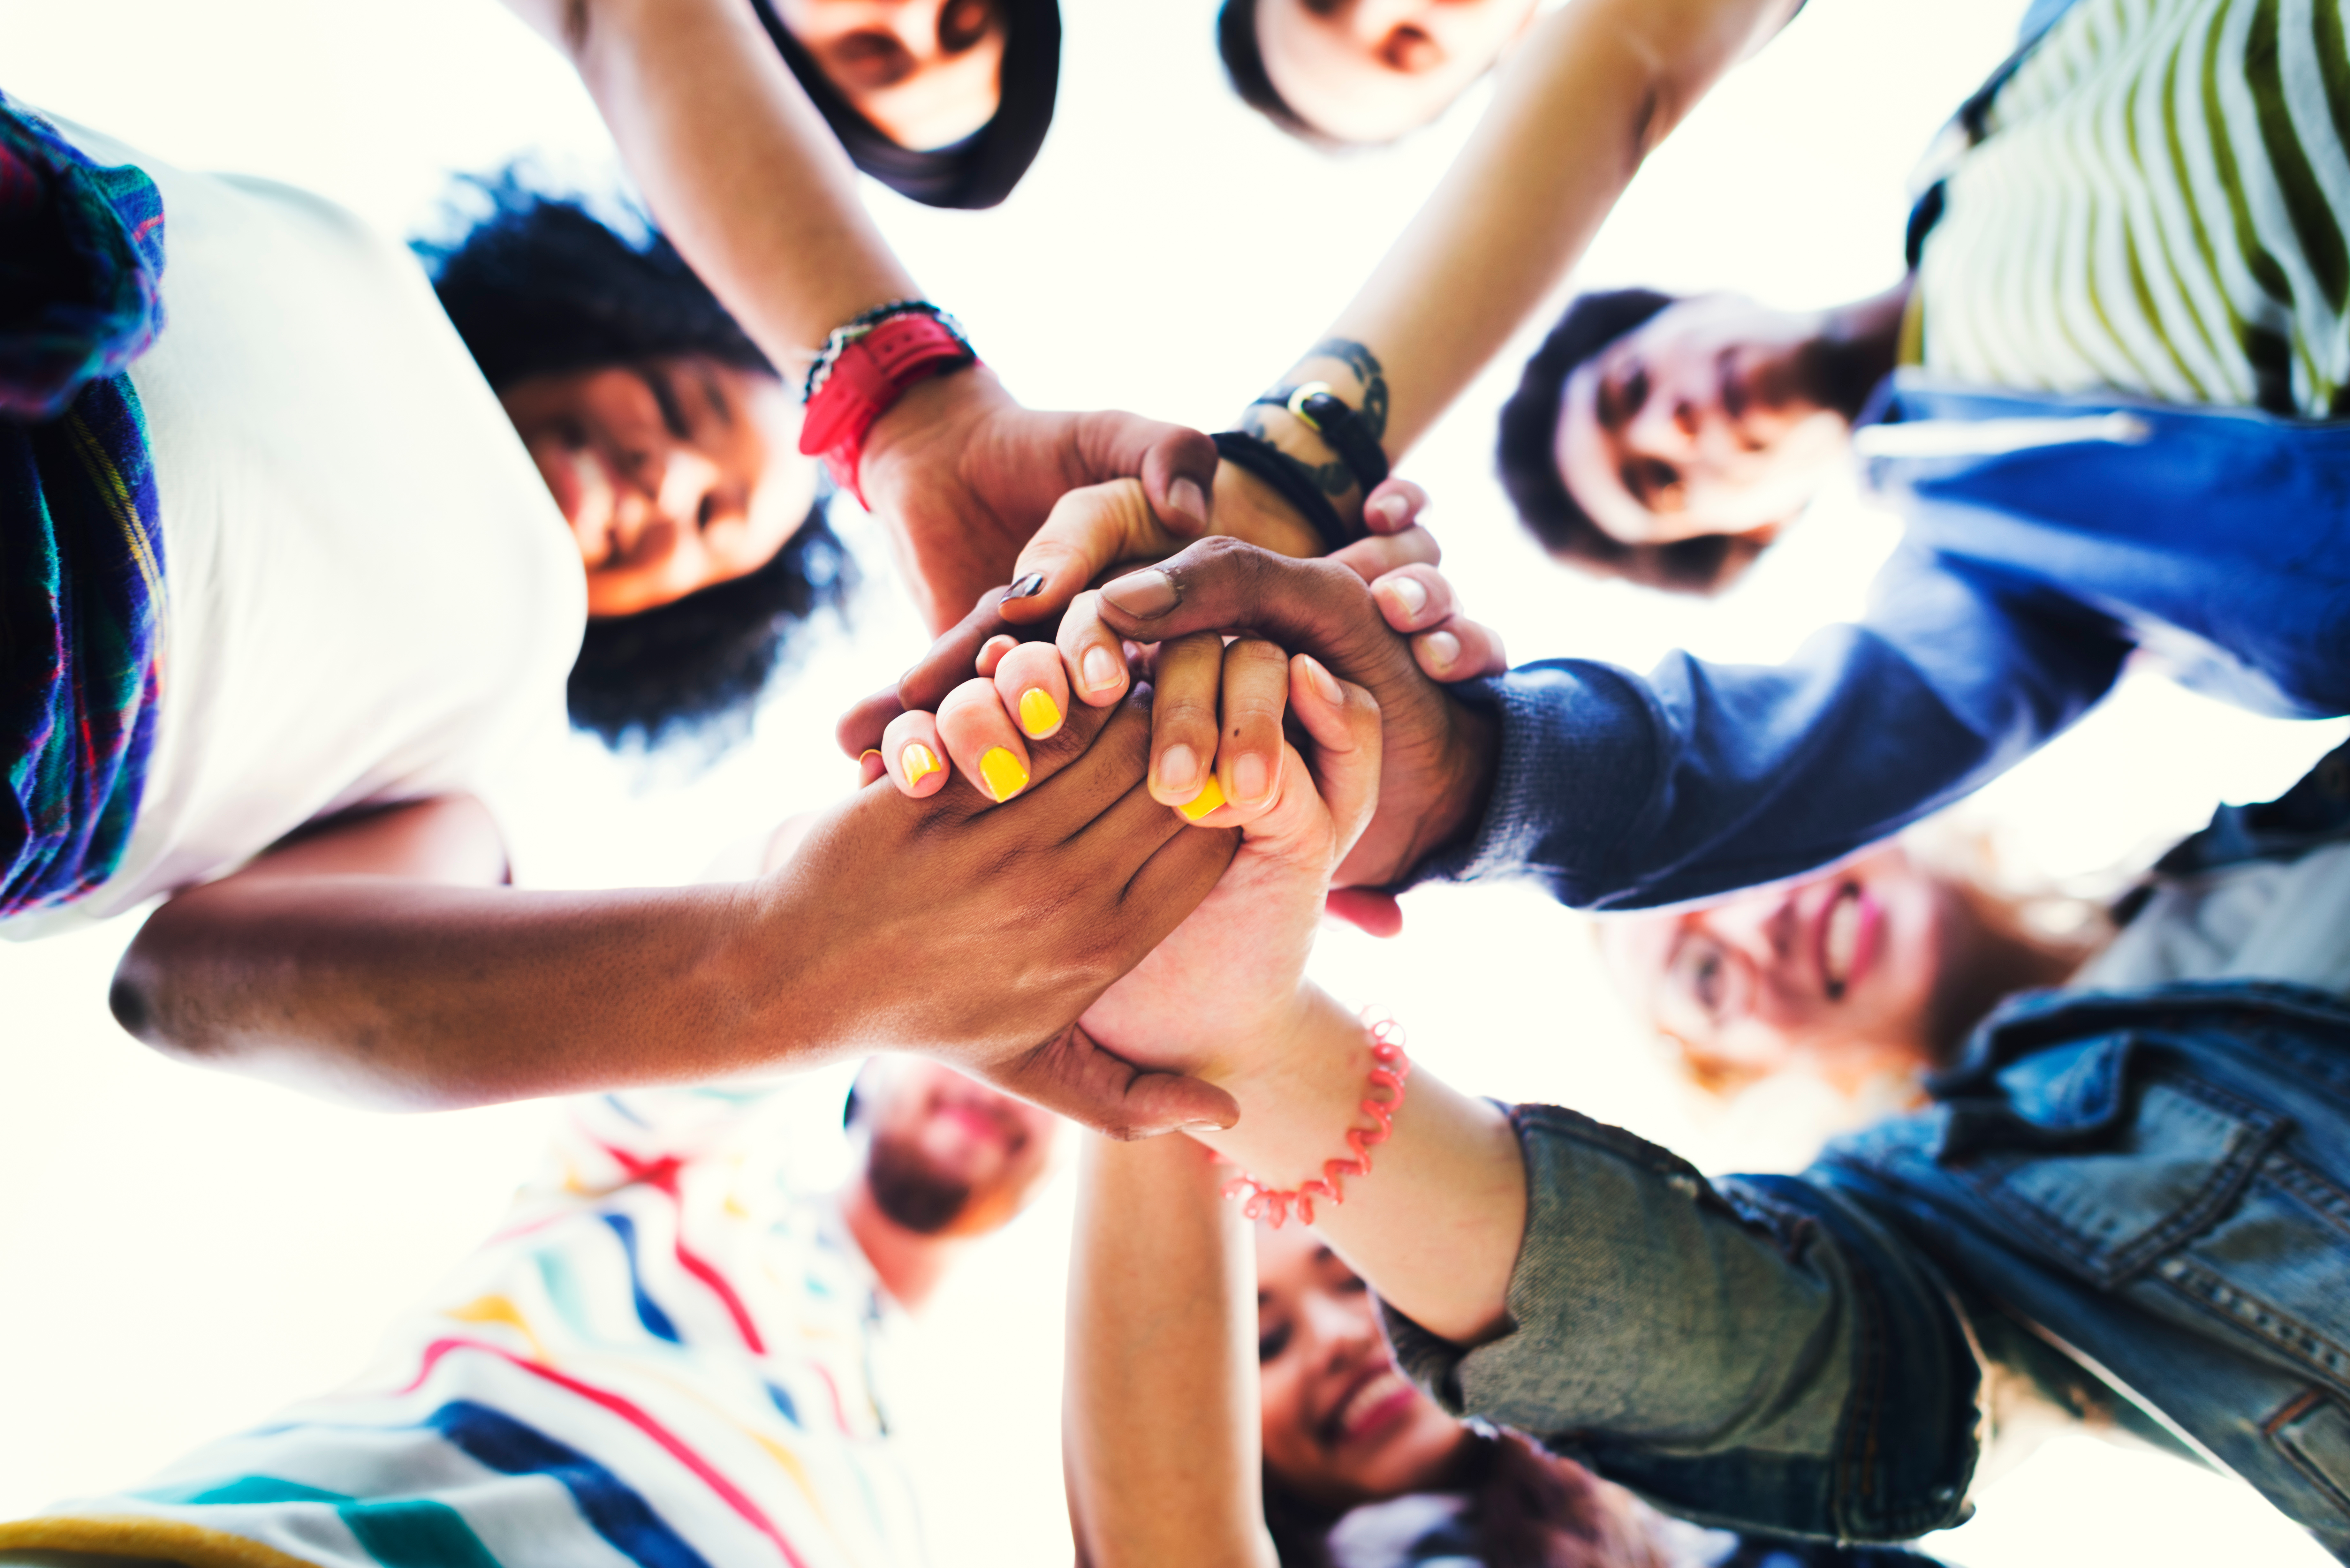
point(1235, 969)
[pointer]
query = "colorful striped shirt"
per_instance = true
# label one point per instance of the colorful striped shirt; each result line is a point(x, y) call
point(2160, 205)
point(665, 1360)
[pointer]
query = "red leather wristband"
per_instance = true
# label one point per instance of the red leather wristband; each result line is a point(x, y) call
point(867, 380)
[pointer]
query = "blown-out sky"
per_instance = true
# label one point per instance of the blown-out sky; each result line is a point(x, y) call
point(181, 1252)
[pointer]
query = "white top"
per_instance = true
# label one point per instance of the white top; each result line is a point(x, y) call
point(2268, 919)
point(372, 597)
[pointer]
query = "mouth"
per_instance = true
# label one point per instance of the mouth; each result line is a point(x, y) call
point(1379, 1397)
point(1848, 930)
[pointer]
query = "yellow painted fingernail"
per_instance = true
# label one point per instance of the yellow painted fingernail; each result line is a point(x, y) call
point(1038, 716)
point(1206, 801)
point(917, 763)
point(1004, 775)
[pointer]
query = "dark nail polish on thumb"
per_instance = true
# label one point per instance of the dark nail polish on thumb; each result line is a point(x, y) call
point(1025, 587)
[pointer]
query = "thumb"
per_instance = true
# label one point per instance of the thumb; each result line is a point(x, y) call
point(1090, 530)
point(1073, 1075)
point(1177, 463)
point(1365, 908)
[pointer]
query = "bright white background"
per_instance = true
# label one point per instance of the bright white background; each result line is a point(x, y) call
point(180, 1252)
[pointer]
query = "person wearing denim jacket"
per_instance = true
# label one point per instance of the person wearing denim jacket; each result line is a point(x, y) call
point(2135, 1201)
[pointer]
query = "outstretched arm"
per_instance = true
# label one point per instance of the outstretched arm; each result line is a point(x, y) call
point(745, 177)
point(1159, 1423)
point(1593, 88)
point(376, 961)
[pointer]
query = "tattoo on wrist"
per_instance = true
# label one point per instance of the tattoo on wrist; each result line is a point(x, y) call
point(1369, 401)
point(1370, 380)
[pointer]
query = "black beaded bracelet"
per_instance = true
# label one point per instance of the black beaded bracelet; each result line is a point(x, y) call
point(1283, 472)
point(1323, 411)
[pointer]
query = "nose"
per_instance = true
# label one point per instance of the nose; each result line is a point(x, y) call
point(1761, 929)
point(1372, 20)
point(1338, 1328)
point(1665, 424)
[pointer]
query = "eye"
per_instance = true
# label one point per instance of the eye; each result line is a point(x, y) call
point(1270, 1346)
point(1700, 974)
point(963, 23)
point(707, 513)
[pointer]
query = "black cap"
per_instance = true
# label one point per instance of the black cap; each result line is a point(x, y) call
point(981, 170)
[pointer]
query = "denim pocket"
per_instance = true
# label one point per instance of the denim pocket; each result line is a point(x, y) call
point(2164, 1157)
point(2314, 1434)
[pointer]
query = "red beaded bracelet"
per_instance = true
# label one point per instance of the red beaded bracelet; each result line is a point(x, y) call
point(1389, 1068)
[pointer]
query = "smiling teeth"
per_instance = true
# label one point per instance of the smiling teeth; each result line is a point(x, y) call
point(1844, 937)
point(1366, 1397)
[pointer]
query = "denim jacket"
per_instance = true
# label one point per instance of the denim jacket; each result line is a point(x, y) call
point(2154, 1185)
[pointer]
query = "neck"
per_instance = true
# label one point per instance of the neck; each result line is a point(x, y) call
point(1857, 347)
point(910, 1264)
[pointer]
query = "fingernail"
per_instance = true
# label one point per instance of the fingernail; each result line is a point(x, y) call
point(1100, 667)
point(1325, 685)
point(1004, 775)
point(1025, 587)
point(917, 763)
point(1179, 768)
point(1144, 593)
point(869, 751)
point(1407, 592)
point(1390, 508)
point(1184, 500)
point(1207, 800)
point(1038, 715)
point(1252, 780)
point(1443, 648)
point(1200, 1127)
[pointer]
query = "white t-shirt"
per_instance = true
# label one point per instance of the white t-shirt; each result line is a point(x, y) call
point(372, 594)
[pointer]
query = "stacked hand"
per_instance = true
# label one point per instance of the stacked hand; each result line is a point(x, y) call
point(1377, 614)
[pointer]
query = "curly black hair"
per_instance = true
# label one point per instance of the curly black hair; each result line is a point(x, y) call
point(1526, 456)
point(538, 286)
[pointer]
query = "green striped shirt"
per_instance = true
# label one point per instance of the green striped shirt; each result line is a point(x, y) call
point(2160, 206)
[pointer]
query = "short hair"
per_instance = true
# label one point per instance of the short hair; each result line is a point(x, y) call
point(978, 170)
point(1527, 458)
point(538, 286)
point(1244, 55)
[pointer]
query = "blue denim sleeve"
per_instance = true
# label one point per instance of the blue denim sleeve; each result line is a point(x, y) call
point(1754, 1353)
point(1617, 792)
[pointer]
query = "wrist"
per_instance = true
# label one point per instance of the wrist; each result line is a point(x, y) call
point(1300, 1088)
point(1473, 758)
point(865, 370)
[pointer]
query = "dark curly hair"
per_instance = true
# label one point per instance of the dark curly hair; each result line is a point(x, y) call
point(538, 286)
point(1526, 456)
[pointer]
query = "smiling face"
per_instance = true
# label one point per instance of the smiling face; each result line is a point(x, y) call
point(675, 475)
point(1713, 417)
point(927, 73)
point(1843, 972)
point(947, 1156)
point(1342, 1426)
point(1371, 70)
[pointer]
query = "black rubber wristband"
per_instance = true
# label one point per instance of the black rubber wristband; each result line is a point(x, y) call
point(1281, 471)
point(1328, 416)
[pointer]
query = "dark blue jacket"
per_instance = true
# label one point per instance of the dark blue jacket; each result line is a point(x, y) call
point(2076, 531)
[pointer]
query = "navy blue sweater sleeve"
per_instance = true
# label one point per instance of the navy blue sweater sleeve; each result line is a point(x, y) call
point(1619, 791)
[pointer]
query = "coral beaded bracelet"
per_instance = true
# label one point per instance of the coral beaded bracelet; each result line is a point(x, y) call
point(1389, 1068)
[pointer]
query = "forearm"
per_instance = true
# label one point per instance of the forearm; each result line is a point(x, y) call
point(1719, 1343)
point(1435, 1227)
point(408, 995)
point(1592, 90)
point(1161, 1419)
point(1620, 790)
point(736, 164)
